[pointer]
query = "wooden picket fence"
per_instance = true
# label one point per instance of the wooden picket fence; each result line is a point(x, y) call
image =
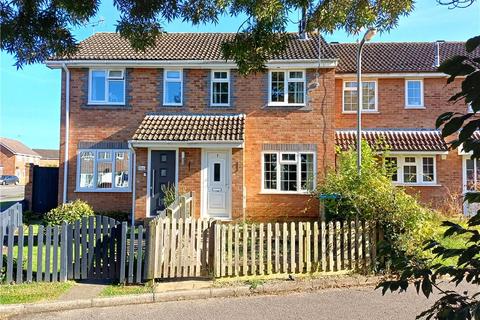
point(178, 248)
point(12, 216)
point(192, 248)
point(96, 247)
point(296, 247)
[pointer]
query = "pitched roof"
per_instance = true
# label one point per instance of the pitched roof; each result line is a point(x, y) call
point(48, 154)
point(395, 56)
point(190, 127)
point(17, 147)
point(394, 139)
point(184, 46)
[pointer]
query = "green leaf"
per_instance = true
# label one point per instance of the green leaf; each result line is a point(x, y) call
point(443, 118)
point(426, 287)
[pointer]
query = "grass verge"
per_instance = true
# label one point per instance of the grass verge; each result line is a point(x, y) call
point(33, 292)
point(121, 290)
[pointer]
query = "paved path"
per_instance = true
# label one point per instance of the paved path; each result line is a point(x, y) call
point(353, 303)
point(11, 193)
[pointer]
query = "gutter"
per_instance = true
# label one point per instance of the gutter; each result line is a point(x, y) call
point(67, 131)
point(134, 173)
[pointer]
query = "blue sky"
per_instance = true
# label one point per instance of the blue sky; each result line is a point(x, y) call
point(30, 98)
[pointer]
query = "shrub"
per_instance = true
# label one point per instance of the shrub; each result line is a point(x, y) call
point(373, 197)
point(68, 212)
point(170, 194)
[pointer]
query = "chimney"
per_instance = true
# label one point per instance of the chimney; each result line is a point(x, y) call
point(437, 53)
point(302, 25)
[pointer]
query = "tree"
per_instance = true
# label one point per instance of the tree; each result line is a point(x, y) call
point(33, 30)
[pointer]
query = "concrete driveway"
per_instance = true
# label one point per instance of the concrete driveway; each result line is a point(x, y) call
point(353, 303)
point(11, 193)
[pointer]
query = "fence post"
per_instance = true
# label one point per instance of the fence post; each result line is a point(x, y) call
point(123, 252)
point(183, 207)
point(149, 273)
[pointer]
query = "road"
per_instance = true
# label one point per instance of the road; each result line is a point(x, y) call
point(353, 303)
point(11, 193)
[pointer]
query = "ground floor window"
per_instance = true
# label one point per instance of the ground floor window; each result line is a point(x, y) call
point(103, 170)
point(288, 171)
point(472, 174)
point(412, 169)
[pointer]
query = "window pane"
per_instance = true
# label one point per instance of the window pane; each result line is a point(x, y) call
point(220, 75)
point(295, 75)
point(104, 155)
point(220, 93)
point(173, 92)
point(289, 157)
point(471, 181)
point(392, 167)
point(350, 101)
point(104, 175)
point(414, 92)
point(98, 86)
point(368, 95)
point(350, 96)
point(288, 177)
point(115, 74)
point(115, 91)
point(428, 175)
point(295, 92)
point(86, 169)
point(173, 74)
point(278, 87)
point(270, 171)
point(306, 172)
point(216, 172)
point(410, 170)
point(121, 169)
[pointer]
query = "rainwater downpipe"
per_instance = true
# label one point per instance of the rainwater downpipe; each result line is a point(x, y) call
point(67, 131)
point(134, 172)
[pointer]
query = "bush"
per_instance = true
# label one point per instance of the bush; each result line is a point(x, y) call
point(69, 212)
point(373, 197)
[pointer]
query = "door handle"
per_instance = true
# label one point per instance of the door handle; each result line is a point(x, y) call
point(216, 189)
point(152, 184)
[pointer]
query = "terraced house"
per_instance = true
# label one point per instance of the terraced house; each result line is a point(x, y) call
point(134, 123)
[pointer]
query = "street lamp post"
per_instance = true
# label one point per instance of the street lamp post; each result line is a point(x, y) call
point(366, 37)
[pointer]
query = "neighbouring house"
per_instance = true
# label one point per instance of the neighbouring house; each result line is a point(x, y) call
point(133, 123)
point(14, 156)
point(49, 157)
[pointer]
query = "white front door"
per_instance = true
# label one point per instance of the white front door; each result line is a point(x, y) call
point(218, 184)
point(471, 183)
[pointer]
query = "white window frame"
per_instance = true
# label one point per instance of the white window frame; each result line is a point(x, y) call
point(213, 80)
point(107, 78)
point(95, 173)
point(344, 88)
point(165, 80)
point(419, 165)
point(408, 106)
point(299, 173)
point(285, 87)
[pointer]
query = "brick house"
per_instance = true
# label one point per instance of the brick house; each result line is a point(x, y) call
point(249, 147)
point(14, 157)
point(49, 157)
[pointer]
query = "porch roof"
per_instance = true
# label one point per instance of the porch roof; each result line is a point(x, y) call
point(191, 128)
point(396, 140)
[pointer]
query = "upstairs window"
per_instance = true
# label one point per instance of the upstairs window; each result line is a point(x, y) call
point(287, 88)
point(412, 169)
point(106, 86)
point(220, 92)
point(103, 170)
point(173, 88)
point(288, 172)
point(369, 96)
point(414, 93)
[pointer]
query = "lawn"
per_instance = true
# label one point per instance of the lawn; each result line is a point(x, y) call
point(33, 292)
point(120, 290)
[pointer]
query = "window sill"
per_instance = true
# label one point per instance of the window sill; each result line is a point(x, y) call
point(293, 193)
point(415, 107)
point(363, 112)
point(102, 191)
point(107, 106)
point(399, 184)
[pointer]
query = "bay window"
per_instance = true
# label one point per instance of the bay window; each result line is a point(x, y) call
point(106, 86)
point(412, 169)
point(103, 170)
point(287, 88)
point(369, 96)
point(290, 172)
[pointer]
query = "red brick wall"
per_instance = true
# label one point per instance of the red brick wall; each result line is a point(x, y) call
point(393, 114)
point(7, 161)
point(263, 125)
